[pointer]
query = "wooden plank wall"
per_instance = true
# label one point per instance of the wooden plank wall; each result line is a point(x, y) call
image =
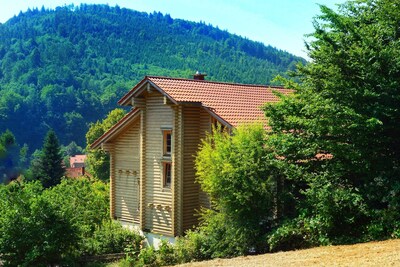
point(158, 200)
point(142, 162)
point(126, 173)
point(177, 189)
point(205, 127)
point(112, 183)
point(196, 125)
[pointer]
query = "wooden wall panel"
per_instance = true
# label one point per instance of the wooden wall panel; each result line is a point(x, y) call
point(112, 182)
point(126, 172)
point(158, 209)
point(191, 189)
point(205, 127)
point(177, 188)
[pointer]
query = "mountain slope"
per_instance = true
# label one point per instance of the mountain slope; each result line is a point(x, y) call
point(66, 67)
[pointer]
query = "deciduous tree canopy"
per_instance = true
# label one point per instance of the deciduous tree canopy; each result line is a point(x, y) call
point(339, 132)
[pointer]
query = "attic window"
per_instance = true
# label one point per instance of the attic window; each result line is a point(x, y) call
point(167, 142)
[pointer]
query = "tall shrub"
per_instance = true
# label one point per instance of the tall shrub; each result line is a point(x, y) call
point(34, 230)
point(238, 173)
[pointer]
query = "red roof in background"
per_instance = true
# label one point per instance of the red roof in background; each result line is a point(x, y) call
point(77, 159)
point(234, 103)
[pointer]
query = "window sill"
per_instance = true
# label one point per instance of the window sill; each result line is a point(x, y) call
point(166, 189)
point(166, 158)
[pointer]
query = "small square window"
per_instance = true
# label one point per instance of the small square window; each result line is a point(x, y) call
point(167, 142)
point(167, 174)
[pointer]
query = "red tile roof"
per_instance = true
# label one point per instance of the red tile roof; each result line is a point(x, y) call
point(234, 103)
point(77, 159)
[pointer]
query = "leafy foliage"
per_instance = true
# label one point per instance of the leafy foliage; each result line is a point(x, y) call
point(34, 231)
point(236, 171)
point(13, 159)
point(98, 161)
point(69, 151)
point(40, 227)
point(110, 237)
point(337, 136)
point(68, 66)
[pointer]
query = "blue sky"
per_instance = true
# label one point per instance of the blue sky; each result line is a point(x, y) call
point(280, 23)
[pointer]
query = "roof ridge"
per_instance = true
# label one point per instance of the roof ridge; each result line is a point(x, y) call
point(216, 82)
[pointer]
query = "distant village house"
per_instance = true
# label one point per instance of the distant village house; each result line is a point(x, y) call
point(77, 166)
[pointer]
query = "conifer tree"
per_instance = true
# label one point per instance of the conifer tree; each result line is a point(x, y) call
point(49, 169)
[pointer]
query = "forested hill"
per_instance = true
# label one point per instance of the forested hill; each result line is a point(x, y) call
point(67, 67)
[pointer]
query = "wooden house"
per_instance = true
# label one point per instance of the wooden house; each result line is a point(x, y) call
point(152, 148)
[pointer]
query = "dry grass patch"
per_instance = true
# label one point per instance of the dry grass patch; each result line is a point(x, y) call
point(383, 253)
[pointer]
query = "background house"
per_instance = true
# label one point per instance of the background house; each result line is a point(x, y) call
point(77, 166)
point(77, 161)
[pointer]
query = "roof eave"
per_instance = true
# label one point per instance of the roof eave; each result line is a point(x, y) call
point(139, 88)
point(115, 129)
point(217, 117)
point(124, 101)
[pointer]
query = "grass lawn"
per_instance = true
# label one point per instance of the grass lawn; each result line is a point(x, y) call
point(383, 253)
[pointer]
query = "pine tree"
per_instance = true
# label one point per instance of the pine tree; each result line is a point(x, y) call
point(49, 169)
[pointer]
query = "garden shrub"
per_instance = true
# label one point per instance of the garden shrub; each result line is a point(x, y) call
point(34, 230)
point(40, 227)
point(111, 237)
point(295, 234)
point(147, 257)
point(237, 171)
point(192, 247)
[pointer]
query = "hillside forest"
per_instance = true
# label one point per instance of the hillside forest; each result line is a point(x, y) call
point(63, 69)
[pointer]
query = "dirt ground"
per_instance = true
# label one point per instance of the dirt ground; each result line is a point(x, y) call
point(384, 253)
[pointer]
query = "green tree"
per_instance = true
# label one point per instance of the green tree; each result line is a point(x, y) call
point(238, 173)
point(72, 149)
point(12, 157)
point(49, 168)
point(338, 134)
point(34, 230)
point(99, 161)
point(55, 226)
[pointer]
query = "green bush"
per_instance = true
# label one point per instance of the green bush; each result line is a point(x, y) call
point(384, 224)
point(239, 174)
point(89, 201)
point(295, 234)
point(34, 230)
point(41, 226)
point(192, 247)
point(165, 254)
point(147, 257)
point(111, 237)
point(340, 209)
